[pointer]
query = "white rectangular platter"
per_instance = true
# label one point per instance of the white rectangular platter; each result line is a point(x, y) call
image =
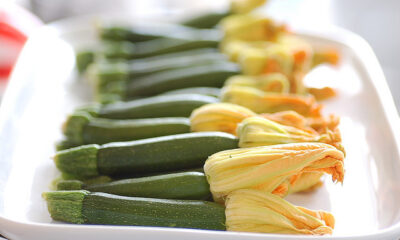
point(44, 88)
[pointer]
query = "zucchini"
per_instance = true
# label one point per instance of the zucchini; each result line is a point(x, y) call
point(208, 20)
point(81, 128)
point(141, 33)
point(175, 55)
point(167, 153)
point(152, 107)
point(212, 75)
point(150, 32)
point(102, 208)
point(128, 50)
point(106, 72)
point(209, 91)
point(183, 185)
point(84, 59)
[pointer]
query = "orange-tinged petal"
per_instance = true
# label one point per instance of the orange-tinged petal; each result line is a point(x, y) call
point(262, 102)
point(322, 93)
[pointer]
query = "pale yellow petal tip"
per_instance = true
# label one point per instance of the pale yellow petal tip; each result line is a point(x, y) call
point(250, 210)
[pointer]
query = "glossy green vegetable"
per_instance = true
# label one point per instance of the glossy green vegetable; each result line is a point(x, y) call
point(141, 33)
point(128, 50)
point(208, 20)
point(167, 153)
point(147, 32)
point(210, 75)
point(102, 208)
point(153, 107)
point(106, 72)
point(84, 59)
point(81, 128)
point(183, 185)
point(209, 91)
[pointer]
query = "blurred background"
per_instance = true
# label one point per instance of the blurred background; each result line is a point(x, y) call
point(376, 21)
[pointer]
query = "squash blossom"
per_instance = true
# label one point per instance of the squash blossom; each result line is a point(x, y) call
point(249, 27)
point(273, 59)
point(273, 82)
point(262, 102)
point(258, 131)
point(326, 127)
point(311, 124)
point(272, 169)
point(306, 182)
point(249, 210)
point(223, 117)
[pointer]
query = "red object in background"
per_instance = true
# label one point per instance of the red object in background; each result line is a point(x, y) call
point(16, 24)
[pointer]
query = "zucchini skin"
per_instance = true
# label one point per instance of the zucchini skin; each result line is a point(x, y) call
point(166, 153)
point(208, 20)
point(211, 75)
point(103, 208)
point(83, 60)
point(146, 156)
point(127, 50)
point(159, 106)
point(139, 33)
point(125, 71)
point(184, 185)
point(209, 91)
point(102, 131)
point(80, 128)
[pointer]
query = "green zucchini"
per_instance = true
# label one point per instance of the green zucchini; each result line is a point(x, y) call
point(213, 75)
point(128, 50)
point(208, 20)
point(107, 209)
point(183, 185)
point(84, 59)
point(167, 57)
point(105, 72)
point(167, 153)
point(143, 33)
point(81, 128)
point(153, 107)
point(209, 91)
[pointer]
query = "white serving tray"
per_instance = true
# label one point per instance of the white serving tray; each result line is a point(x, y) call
point(44, 87)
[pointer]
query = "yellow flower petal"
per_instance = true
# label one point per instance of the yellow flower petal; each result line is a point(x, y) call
point(250, 27)
point(274, 82)
point(267, 167)
point(250, 210)
point(262, 102)
point(222, 117)
point(259, 131)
